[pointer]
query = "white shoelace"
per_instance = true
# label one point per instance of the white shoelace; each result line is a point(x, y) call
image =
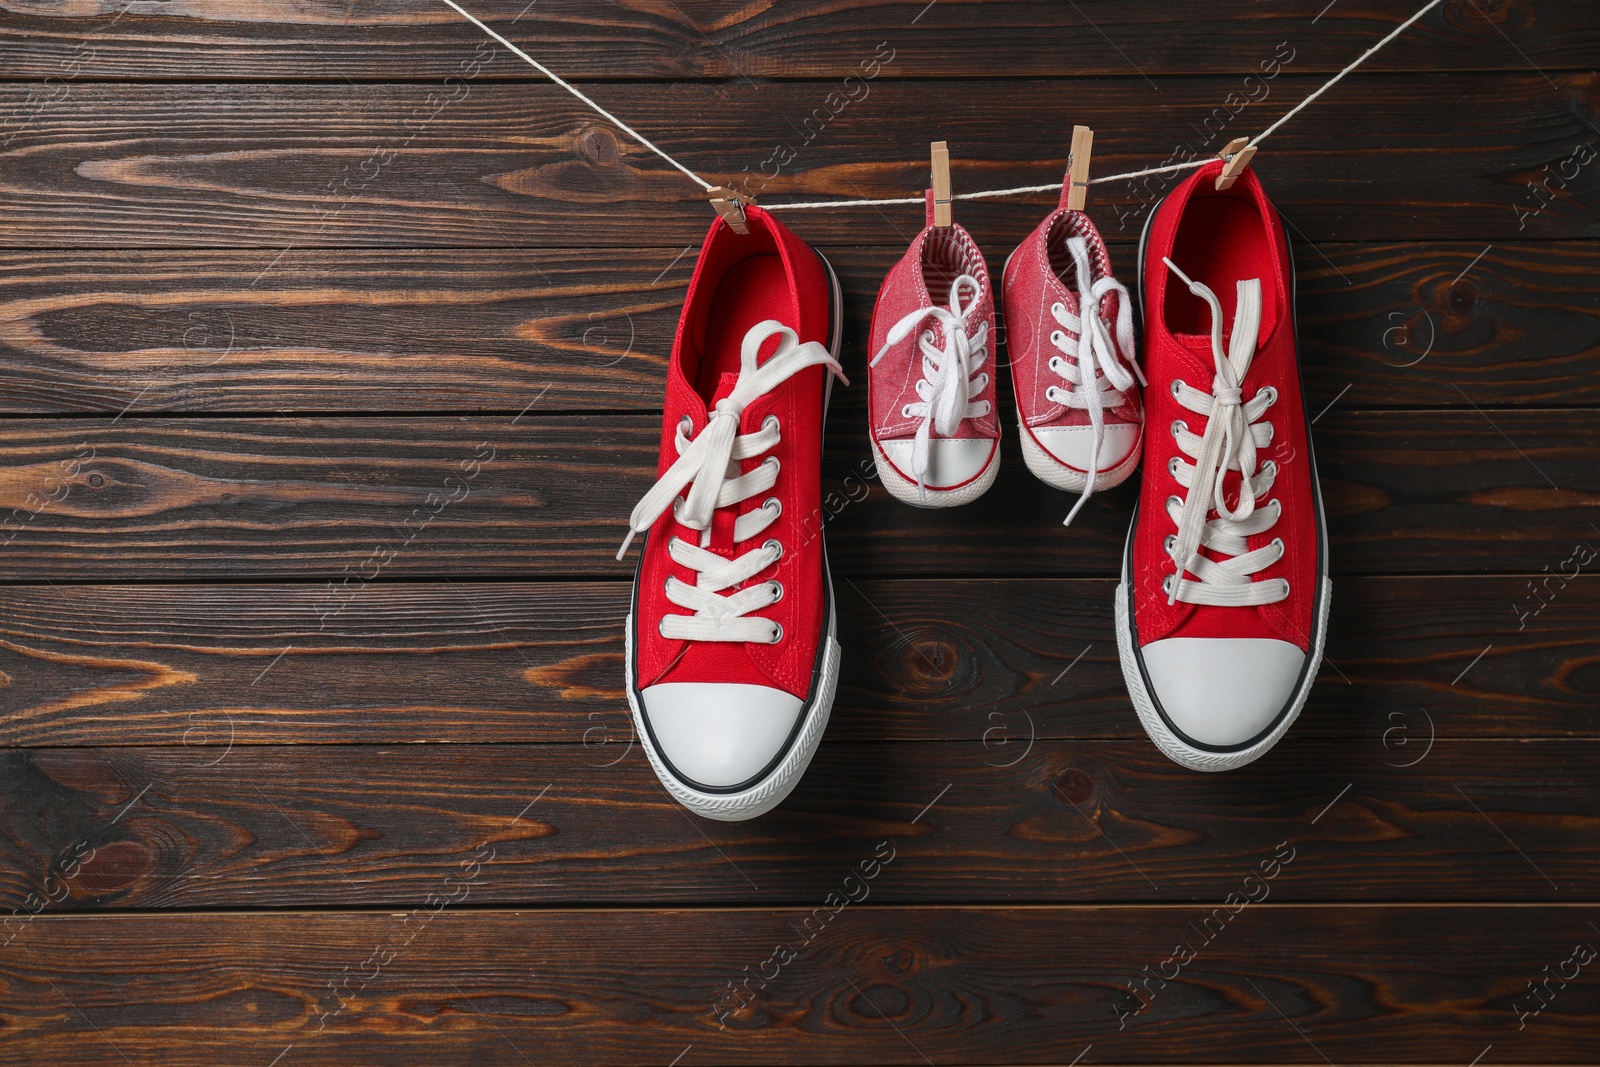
point(946, 386)
point(1098, 378)
point(1230, 442)
point(711, 462)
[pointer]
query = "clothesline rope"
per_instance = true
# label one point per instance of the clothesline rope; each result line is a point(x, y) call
point(569, 87)
point(982, 194)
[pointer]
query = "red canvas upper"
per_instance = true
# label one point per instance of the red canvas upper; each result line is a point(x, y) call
point(1032, 284)
point(1219, 237)
point(892, 381)
point(739, 281)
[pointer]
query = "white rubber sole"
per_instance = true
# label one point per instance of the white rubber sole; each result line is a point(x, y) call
point(1053, 472)
point(905, 490)
point(778, 783)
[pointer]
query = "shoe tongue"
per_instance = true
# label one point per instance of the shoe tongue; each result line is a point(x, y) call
point(725, 386)
point(722, 522)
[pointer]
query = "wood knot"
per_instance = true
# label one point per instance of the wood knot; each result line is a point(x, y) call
point(1073, 786)
point(598, 145)
point(899, 962)
point(1461, 297)
point(114, 866)
point(926, 663)
point(1484, 14)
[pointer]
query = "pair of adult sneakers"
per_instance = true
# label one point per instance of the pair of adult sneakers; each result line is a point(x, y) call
point(732, 654)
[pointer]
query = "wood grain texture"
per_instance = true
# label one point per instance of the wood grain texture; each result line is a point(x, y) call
point(498, 329)
point(877, 985)
point(356, 331)
point(357, 500)
point(278, 826)
point(992, 661)
point(332, 342)
point(1478, 157)
point(272, 39)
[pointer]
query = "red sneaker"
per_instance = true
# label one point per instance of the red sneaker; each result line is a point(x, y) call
point(935, 437)
point(732, 659)
point(1223, 605)
point(1076, 379)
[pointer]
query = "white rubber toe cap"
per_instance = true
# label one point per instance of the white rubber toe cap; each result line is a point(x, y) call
point(1222, 691)
point(719, 734)
point(951, 460)
point(1070, 444)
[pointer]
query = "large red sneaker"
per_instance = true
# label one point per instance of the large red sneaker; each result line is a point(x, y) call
point(935, 436)
point(1223, 605)
point(732, 659)
point(1069, 330)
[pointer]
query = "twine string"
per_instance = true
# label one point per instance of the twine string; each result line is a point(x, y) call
point(982, 194)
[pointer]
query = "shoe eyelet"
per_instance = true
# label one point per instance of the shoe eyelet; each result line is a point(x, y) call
point(777, 464)
point(777, 590)
point(1272, 395)
point(1058, 339)
point(1171, 500)
point(1285, 583)
point(1171, 540)
point(905, 412)
point(1179, 426)
point(772, 502)
point(773, 421)
point(685, 424)
point(777, 634)
point(1166, 584)
point(1172, 467)
point(1058, 308)
point(769, 543)
point(1177, 383)
point(1055, 364)
point(1279, 542)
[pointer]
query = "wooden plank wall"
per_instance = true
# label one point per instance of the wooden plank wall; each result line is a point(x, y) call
point(271, 270)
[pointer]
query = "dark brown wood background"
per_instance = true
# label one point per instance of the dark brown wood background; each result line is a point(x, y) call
point(300, 766)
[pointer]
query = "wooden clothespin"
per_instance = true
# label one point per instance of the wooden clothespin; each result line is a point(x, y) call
point(1078, 167)
point(730, 205)
point(941, 184)
point(1236, 157)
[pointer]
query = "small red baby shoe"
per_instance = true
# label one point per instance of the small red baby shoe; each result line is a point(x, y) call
point(1069, 333)
point(935, 436)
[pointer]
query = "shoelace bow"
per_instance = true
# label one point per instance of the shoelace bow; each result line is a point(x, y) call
point(946, 386)
point(708, 466)
point(1094, 369)
point(1231, 438)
